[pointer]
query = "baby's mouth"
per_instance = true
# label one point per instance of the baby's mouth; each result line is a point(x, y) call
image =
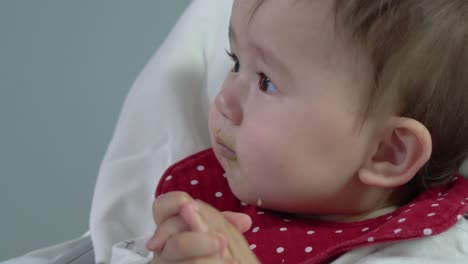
point(224, 150)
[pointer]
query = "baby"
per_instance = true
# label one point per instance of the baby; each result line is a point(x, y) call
point(340, 127)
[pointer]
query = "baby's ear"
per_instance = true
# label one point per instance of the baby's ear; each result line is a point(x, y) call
point(404, 147)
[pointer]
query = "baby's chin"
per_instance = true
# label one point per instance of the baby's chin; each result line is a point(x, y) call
point(240, 191)
point(243, 189)
point(269, 203)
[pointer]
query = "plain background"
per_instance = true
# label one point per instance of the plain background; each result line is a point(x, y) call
point(65, 69)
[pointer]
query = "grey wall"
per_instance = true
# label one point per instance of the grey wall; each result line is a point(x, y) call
point(65, 68)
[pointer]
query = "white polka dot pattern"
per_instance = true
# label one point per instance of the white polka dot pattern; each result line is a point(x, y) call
point(427, 232)
point(288, 238)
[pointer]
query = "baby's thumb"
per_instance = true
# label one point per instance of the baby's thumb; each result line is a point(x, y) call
point(241, 221)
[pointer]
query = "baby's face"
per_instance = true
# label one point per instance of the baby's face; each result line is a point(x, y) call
point(285, 125)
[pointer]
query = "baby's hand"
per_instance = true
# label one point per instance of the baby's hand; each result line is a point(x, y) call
point(205, 219)
point(181, 237)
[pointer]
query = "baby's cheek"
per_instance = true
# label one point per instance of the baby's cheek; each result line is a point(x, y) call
point(262, 157)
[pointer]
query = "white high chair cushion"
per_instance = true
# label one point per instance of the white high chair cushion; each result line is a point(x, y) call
point(164, 119)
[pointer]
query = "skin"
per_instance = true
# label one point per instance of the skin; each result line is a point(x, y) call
point(290, 134)
point(191, 231)
point(287, 128)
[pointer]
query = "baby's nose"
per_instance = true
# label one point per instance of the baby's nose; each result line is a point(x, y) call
point(229, 107)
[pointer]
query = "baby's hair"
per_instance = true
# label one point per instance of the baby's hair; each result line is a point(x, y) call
point(419, 53)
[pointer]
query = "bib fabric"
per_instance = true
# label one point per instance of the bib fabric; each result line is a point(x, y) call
point(281, 238)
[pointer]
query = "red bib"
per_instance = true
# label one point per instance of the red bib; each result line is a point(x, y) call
point(277, 238)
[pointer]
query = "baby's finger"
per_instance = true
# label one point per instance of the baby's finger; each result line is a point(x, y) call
point(211, 217)
point(238, 246)
point(241, 221)
point(168, 205)
point(189, 213)
point(193, 245)
point(170, 227)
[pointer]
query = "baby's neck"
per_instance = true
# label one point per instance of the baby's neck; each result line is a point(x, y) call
point(355, 218)
point(392, 202)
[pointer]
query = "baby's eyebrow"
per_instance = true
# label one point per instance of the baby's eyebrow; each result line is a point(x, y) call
point(267, 55)
point(270, 58)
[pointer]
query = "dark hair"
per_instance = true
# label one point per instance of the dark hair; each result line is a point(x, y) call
point(419, 51)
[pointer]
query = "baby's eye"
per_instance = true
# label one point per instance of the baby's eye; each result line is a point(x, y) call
point(235, 60)
point(266, 85)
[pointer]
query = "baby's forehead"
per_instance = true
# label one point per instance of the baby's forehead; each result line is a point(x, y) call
point(299, 32)
point(316, 14)
point(305, 25)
